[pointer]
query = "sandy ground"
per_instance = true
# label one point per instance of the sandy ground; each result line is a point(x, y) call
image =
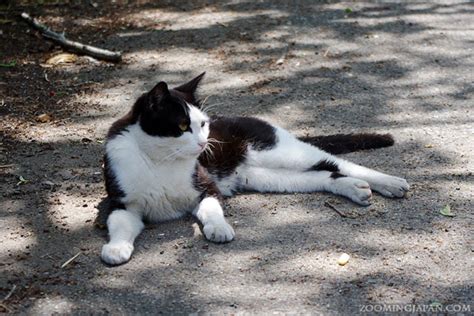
point(312, 67)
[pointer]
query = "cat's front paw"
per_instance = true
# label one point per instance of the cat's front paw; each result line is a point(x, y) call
point(116, 253)
point(390, 186)
point(218, 231)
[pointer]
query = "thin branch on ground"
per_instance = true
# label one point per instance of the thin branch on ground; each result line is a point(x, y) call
point(71, 260)
point(342, 214)
point(73, 46)
point(10, 293)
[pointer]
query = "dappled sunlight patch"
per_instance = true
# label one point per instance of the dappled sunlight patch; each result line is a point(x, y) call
point(285, 115)
point(174, 64)
point(72, 211)
point(448, 117)
point(75, 132)
point(19, 237)
point(200, 19)
point(264, 288)
point(56, 304)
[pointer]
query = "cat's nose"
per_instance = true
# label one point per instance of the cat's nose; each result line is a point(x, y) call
point(202, 144)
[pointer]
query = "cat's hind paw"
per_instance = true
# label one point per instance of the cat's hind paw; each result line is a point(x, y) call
point(390, 186)
point(355, 189)
point(218, 232)
point(116, 253)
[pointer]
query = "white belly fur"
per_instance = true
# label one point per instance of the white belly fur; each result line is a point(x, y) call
point(156, 191)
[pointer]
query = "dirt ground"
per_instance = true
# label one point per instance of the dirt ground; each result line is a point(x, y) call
point(317, 67)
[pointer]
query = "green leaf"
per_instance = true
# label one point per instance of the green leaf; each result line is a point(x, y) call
point(446, 211)
point(8, 65)
point(22, 180)
point(348, 10)
point(436, 304)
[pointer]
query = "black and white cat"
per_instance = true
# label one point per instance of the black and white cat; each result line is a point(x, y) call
point(167, 158)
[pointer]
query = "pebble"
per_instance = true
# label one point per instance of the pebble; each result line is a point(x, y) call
point(343, 259)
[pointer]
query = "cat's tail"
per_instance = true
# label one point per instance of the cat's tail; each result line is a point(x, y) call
point(346, 143)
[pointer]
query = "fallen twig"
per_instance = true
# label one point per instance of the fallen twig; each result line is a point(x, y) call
point(71, 260)
point(10, 293)
point(7, 166)
point(342, 214)
point(326, 53)
point(77, 47)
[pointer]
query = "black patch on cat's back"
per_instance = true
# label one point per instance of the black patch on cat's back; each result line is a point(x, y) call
point(254, 131)
point(248, 130)
point(229, 139)
point(325, 165)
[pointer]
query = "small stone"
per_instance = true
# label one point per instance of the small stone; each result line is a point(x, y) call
point(343, 259)
point(280, 61)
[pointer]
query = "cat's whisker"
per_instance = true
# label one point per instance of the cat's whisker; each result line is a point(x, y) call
point(211, 106)
point(205, 100)
point(213, 140)
point(173, 154)
point(208, 150)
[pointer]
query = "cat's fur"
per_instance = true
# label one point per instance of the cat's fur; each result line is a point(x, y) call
point(155, 171)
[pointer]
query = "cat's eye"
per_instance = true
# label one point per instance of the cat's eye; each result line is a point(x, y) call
point(203, 124)
point(183, 126)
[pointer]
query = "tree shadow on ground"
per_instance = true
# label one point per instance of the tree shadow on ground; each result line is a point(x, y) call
point(329, 95)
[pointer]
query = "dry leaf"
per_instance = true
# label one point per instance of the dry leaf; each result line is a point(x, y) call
point(44, 118)
point(22, 180)
point(62, 58)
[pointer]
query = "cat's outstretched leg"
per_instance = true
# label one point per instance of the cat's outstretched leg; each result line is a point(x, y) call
point(280, 180)
point(389, 186)
point(124, 226)
point(209, 212)
point(292, 154)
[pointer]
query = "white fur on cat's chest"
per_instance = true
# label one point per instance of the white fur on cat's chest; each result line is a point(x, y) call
point(158, 192)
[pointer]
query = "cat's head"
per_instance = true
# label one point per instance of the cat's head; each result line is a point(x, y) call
point(172, 120)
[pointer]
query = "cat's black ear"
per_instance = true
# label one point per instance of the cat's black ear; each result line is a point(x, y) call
point(159, 92)
point(190, 87)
